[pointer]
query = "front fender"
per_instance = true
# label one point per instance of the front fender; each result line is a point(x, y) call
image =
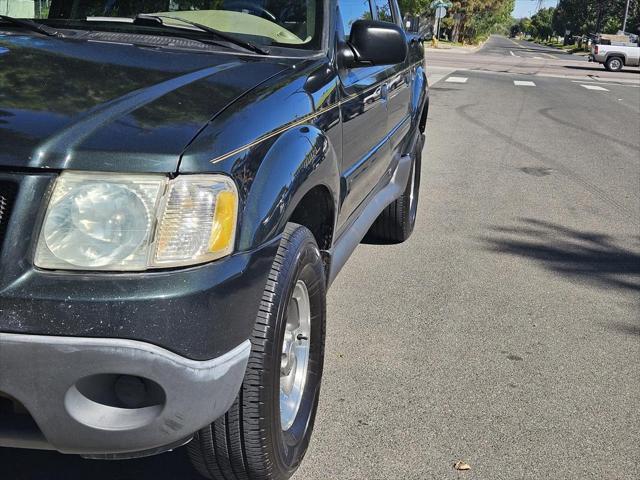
point(300, 159)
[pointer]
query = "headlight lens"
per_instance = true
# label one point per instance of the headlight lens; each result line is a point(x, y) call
point(135, 222)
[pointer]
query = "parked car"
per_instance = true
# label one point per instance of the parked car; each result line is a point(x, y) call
point(178, 190)
point(615, 55)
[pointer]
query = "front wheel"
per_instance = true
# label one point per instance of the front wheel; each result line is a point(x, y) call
point(265, 434)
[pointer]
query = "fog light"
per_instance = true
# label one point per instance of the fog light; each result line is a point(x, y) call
point(115, 401)
point(130, 391)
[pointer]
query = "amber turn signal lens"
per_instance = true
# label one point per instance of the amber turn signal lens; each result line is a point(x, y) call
point(224, 222)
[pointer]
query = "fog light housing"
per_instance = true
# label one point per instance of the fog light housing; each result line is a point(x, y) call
point(115, 402)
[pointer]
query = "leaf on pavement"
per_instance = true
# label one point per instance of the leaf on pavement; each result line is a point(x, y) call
point(460, 465)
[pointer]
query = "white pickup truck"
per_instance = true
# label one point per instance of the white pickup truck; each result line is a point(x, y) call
point(616, 55)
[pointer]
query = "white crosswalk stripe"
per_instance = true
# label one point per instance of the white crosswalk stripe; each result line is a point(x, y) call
point(595, 87)
point(607, 83)
point(436, 74)
point(457, 80)
point(523, 83)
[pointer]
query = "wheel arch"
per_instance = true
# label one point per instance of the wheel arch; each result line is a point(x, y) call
point(422, 125)
point(316, 211)
point(299, 172)
point(619, 55)
point(420, 99)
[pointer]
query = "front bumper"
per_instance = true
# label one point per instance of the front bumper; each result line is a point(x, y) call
point(74, 391)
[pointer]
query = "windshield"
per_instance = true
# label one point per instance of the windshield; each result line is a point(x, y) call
point(289, 23)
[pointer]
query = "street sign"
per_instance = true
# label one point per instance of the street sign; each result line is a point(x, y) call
point(440, 7)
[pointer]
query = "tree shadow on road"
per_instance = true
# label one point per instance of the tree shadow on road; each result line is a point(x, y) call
point(38, 465)
point(587, 257)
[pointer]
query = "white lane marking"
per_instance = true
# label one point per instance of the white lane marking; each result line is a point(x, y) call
point(510, 74)
point(538, 58)
point(434, 78)
point(438, 74)
point(595, 87)
point(607, 83)
point(513, 54)
point(523, 83)
point(457, 80)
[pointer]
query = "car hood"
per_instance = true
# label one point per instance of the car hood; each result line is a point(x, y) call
point(88, 105)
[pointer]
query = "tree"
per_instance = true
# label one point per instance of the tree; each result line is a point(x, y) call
point(525, 25)
point(477, 19)
point(580, 17)
point(541, 23)
point(413, 7)
point(480, 18)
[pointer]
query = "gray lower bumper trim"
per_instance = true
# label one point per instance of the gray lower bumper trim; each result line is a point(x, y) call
point(46, 375)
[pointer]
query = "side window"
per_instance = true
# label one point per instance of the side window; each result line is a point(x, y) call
point(385, 13)
point(352, 11)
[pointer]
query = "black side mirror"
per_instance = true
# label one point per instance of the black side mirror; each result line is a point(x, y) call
point(375, 43)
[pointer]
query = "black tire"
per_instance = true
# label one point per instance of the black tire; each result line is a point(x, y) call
point(396, 222)
point(614, 64)
point(248, 442)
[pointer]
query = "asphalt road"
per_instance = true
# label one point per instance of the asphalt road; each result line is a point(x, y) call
point(504, 55)
point(498, 45)
point(506, 331)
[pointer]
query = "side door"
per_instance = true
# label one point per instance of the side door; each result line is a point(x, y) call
point(363, 108)
point(399, 79)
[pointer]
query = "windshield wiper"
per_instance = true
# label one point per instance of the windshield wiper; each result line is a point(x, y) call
point(221, 35)
point(31, 25)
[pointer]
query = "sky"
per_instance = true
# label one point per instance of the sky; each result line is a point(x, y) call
point(526, 8)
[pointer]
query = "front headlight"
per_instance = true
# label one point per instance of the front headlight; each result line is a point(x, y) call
point(98, 221)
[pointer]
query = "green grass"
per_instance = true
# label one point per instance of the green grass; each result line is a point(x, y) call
point(456, 44)
point(556, 44)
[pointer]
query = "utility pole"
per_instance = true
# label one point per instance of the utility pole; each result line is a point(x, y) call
point(626, 15)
